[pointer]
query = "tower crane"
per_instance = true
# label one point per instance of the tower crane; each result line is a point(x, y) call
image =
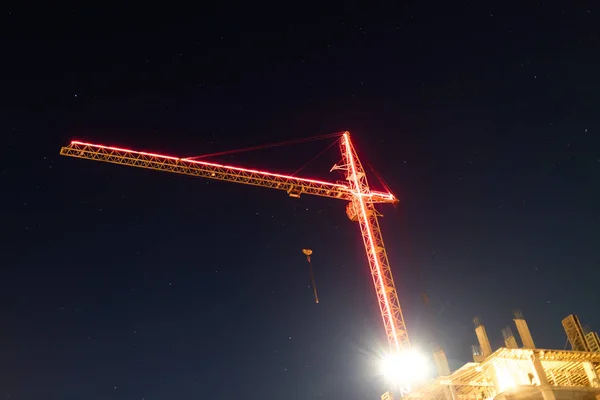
point(355, 191)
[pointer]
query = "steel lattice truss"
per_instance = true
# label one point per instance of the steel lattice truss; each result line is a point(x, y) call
point(364, 212)
point(355, 190)
point(292, 185)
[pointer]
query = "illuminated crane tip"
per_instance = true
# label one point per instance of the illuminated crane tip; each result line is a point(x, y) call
point(307, 252)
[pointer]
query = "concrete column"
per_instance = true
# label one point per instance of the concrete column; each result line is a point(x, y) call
point(539, 373)
point(526, 337)
point(441, 362)
point(484, 342)
point(591, 374)
point(450, 393)
point(509, 338)
point(511, 342)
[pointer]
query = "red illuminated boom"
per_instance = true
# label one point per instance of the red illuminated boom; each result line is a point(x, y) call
point(355, 190)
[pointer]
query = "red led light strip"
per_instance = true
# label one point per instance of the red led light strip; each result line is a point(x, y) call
point(208, 164)
point(370, 245)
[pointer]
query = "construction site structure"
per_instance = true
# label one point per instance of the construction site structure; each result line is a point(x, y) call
point(513, 373)
point(580, 338)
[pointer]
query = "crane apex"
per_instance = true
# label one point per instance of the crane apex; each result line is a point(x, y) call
point(307, 252)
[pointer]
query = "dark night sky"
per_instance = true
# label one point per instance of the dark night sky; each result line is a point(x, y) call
point(120, 283)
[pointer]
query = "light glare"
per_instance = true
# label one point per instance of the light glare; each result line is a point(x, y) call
point(406, 367)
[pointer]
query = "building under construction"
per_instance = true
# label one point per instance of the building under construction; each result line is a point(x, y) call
point(515, 373)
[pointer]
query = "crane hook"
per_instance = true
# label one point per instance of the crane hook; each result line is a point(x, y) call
point(308, 253)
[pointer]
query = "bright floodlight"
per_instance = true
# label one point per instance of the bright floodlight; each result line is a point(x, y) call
point(405, 368)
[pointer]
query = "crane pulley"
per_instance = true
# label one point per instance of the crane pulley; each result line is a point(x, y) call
point(355, 190)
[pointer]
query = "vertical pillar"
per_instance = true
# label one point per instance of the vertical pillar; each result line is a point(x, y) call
point(450, 392)
point(525, 334)
point(509, 338)
point(591, 374)
point(484, 342)
point(492, 374)
point(441, 362)
point(538, 370)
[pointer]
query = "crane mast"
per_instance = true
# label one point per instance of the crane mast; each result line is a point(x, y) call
point(355, 190)
point(362, 210)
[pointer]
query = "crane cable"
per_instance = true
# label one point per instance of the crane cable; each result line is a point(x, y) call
point(379, 178)
point(315, 157)
point(307, 253)
point(266, 146)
